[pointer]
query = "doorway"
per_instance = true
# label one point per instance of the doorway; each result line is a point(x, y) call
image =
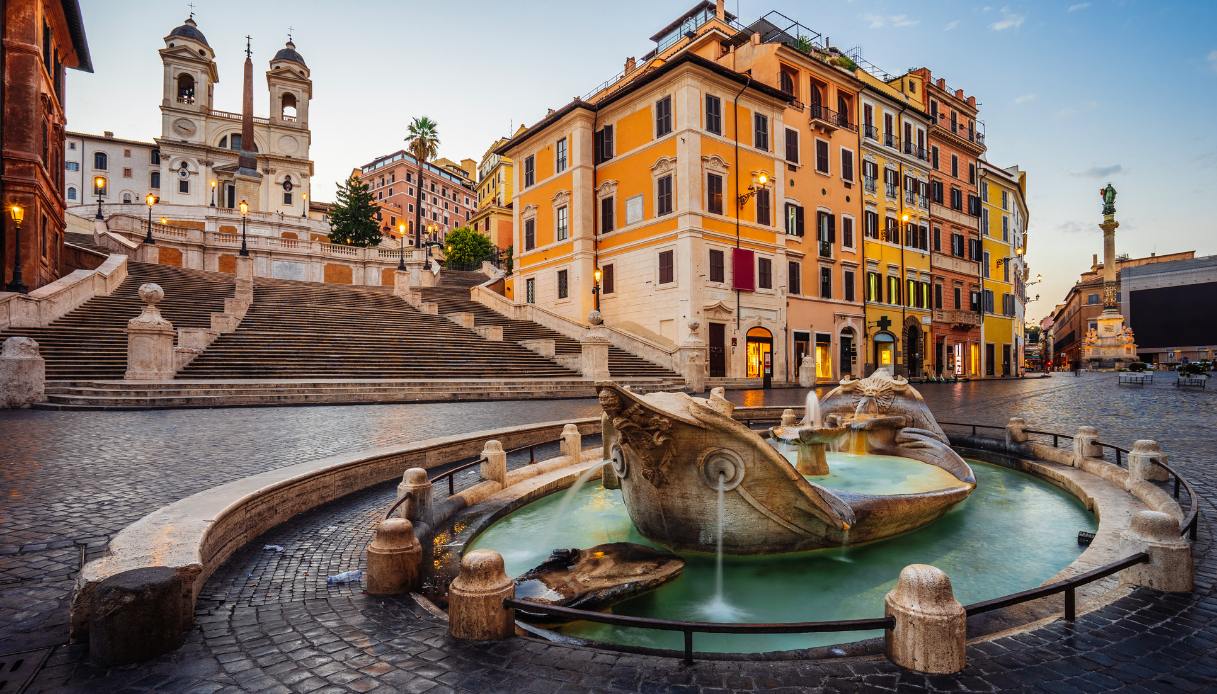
point(759, 342)
point(912, 349)
point(885, 351)
point(718, 350)
point(802, 347)
point(849, 353)
point(989, 359)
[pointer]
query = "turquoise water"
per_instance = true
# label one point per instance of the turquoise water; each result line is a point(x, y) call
point(876, 474)
point(1013, 533)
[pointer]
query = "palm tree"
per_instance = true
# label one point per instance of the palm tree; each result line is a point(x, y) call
point(423, 143)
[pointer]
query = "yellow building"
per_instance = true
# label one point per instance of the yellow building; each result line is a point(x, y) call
point(895, 223)
point(495, 190)
point(1002, 224)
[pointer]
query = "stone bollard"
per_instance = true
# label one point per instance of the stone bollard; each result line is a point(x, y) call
point(593, 359)
point(394, 556)
point(807, 371)
point(245, 280)
point(789, 418)
point(494, 465)
point(608, 435)
point(138, 615)
point(1143, 461)
point(1085, 445)
point(22, 373)
point(1016, 431)
point(150, 355)
point(931, 625)
point(415, 484)
point(401, 284)
point(1170, 567)
point(572, 443)
point(475, 599)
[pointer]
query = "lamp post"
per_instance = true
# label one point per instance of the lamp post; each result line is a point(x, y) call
point(150, 200)
point(597, 275)
point(213, 193)
point(18, 214)
point(244, 211)
point(760, 181)
point(98, 184)
point(401, 248)
point(304, 213)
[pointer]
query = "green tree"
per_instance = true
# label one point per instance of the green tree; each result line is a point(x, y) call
point(423, 143)
point(467, 247)
point(353, 216)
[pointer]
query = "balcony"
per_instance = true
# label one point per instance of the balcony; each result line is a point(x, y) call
point(963, 133)
point(890, 140)
point(870, 131)
point(958, 319)
point(868, 184)
point(893, 191)
point(828, 120)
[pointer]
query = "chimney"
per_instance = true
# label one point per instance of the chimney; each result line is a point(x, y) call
point(720, 12)
point(942, 83)
point(109, 134)
point(972, 101)
point(1094, 260)
point(630, 64)
point(959, 94)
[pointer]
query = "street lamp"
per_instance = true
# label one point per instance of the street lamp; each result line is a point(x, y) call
point(305, 212)
point(760, 181)
point(18, 214)
point(98, 184)
point(244, 211)
point(150, 200)
point(401, 248)
point(213, 192)
point(597, 275)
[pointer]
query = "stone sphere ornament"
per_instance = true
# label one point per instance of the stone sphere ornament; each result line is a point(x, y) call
point(595, 318)
point(151, 293)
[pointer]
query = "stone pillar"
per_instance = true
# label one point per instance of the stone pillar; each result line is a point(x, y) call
point(475, 599)
point(245, 279)
point(608, 435)
point(1016, 431)
point(415, 484)
point(1085, 445)
point(1170, 567)
point(22, 373)
point(393, 558)
point(593, 363)
point(494, 467)
point(807, 371)
point(137, 615)
point(572, 443)
point(1143, 461)
point(150, 340)
point(789, 418)
point(401, 284)
point(931, 625)
point(690, 359)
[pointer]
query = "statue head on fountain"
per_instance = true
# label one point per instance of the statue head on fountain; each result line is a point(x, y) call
point(692, 476)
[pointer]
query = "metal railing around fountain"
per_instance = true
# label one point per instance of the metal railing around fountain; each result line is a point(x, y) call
point(1191, 520)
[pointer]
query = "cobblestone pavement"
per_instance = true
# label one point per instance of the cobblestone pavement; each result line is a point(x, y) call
point(267, 621)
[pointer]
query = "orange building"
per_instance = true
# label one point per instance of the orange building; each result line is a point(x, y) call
point(449, 199)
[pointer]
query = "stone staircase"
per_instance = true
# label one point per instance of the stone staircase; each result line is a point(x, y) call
point(452, 295)
point(91, 341)
point(304, 330)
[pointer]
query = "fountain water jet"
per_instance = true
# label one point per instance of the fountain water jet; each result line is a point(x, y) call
point(566, 500)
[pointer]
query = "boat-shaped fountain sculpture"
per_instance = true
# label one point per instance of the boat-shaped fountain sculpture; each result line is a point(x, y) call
point(685, 465)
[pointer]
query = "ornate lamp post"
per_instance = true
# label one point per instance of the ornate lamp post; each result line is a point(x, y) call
point(99, 184)
point(213, 193)
point(244, 211)
point(597, 275)
point(150, 200)
point(401, 248)
point(18, 214)
point(304, 213)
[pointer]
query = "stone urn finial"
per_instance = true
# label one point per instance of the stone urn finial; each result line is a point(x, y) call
point(595, 318)
point(151, 293)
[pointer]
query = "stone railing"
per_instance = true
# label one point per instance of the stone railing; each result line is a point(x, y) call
point(53, 301)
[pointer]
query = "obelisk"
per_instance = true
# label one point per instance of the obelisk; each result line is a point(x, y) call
point(247, 178)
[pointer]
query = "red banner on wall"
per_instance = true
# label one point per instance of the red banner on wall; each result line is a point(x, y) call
point(743, 270)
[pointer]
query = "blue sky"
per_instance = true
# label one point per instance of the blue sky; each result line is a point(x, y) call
point(1078, 93)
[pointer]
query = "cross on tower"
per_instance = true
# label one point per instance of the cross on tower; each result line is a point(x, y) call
point(191, 6)
point(289, 34)
point(248, 50)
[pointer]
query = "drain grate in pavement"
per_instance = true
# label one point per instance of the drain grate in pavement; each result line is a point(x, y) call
point(17, 670)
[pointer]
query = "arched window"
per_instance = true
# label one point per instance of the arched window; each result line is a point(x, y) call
point(787, 82)
point(126, 198)
point(289, 107)
point(100, 161)
point(185, 89)
point(156, 156)
point(843, 108)
point(71, 193)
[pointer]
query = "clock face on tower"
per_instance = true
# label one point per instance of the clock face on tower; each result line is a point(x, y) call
point(184, 127)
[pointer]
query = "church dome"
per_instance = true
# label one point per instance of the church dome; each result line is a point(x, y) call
point(190, 30)
point(289, 53)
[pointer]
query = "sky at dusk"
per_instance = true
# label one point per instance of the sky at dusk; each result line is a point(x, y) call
point(1077, 93)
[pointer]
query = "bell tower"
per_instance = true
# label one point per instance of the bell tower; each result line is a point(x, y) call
point(290, 88)
point(190, 76)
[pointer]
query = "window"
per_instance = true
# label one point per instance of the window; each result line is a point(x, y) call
point(934, 157)
point(822, 156)
point(986, 267)
point(606, 279)
point(794, 281)
point(287, 197)
point(663, 195)
point(973, 205)
point(787, 79)
point(825, 283)
point(717, 266)
point(954, 166)
point(847, 232)
point(762, 207)
point(530, 290)
point(956, 198)
point(72, 166)
point(530, 234)
point(826, 232)
point(792, 145)
point(185, 89)
point(764, 273)
point(714, 114)
point(847, 165)
point(984, 222)
point(604, 144)
point(1005, 228)
point(606, 214)
point(938, 296)
point(288, 107)
point(663, 116)
point(562, 228)
point(530, 172)
point(873, 290)
point(71, 193)
point(893, 290)
point(183, 186)
point(971, 173)
point(714, 193)
point(560, 156)
point(870, 224)
point(667, 271)
point(563, 287)
point(760, 131)
point(154, 180)
point(958, 292)
point(633, 209)
point(794, 219)
point(1005, 200)
point(848, 282)
point(100, 161)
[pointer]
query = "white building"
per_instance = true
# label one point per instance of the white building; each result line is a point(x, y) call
point(128, 169)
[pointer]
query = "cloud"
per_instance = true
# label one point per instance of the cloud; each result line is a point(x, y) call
point(1100, 171)
point(1077, 7)
point(1025, 98)
point(1009, 20)
point(1073, 227)
point(1212, 60)
point(954, 23)
point(884, 21)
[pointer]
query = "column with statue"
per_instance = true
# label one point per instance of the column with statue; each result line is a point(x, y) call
point(1110, 344)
